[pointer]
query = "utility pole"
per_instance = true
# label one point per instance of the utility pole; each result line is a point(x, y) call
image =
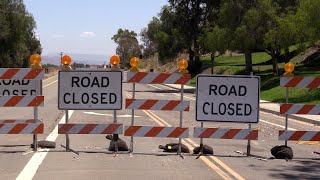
point(61, 58)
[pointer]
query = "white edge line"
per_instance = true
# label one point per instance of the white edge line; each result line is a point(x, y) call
point(36, 160)
point(50, 84)
point(50, 77)
point(264, 121)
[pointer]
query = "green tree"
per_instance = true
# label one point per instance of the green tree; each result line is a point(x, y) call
point(128, 45)
point(163, 36)
point(307, 20)
point(191, 17)
point(17, 36)
point(283, 31)
point(247, 22)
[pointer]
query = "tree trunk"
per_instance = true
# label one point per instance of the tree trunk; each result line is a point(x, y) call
point(274, 56)
point(248, 59)
point(196, 48)
point(287, 55)
point(212, 62)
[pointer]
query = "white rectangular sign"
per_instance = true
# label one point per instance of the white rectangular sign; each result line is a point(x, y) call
point(15, 87)
point(90, 90)
point(228, 98)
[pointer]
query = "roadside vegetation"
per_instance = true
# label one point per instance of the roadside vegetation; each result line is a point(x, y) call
point(270, 89)
point(264, 34)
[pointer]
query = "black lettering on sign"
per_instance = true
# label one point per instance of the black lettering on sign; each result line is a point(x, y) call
point(204, 109)
point(16, 82)
point(85, 98)
point(247, 109)
point(242, 90)
point(238, 109)
point(95, 82)
point(24, 92)
point(105, 82)
point(103, 98)
point(231, 109)
point(223, 90)
point(6, 93)
point(95, 99)
point(74, 99)
point(85, 82)
point(213, 89)
point(212, 109)
point(25, 82)
point(65, 99)
point(232, 91)
point(6, 82)
point(222, 108)
point(33, 92)
point(75, 82)
point(112, 98)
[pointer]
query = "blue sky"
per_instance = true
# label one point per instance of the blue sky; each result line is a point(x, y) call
point(86, 26)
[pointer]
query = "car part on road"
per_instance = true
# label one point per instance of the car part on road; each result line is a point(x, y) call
point(205, 150)
point(122, 145)
point(282, 152)
point(174, 147)
point(45, 144)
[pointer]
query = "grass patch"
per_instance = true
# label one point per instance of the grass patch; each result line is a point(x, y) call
point(270, 89)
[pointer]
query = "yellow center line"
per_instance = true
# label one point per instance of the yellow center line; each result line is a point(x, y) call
point(218, 161)
point(220, 172)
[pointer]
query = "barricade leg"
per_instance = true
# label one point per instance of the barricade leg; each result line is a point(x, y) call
point(67, 146)
point(132, 118)
point(115, 137)
point(249, 143)
point(35, 137)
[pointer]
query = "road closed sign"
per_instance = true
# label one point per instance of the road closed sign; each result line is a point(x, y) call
point(228, 98)
point(100, 90)
point(17, 87)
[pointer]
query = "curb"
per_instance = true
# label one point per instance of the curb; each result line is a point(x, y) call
point(298, 118)
point(192, 90)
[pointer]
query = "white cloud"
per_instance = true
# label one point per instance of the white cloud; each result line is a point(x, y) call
point(57, 36)
point(87, 34)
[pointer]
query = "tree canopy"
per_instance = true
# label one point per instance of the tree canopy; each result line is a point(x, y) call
point(17, 37)
point(211, 26)
point(128, 45)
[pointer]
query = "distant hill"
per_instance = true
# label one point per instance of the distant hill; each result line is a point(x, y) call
point(91, 59)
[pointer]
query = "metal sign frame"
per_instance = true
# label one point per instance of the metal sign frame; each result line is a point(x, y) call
point(94, 108)
point(227, 76)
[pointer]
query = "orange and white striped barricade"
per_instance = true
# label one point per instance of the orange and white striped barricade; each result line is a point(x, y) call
point(225, 133)
point(21, 126)
point(285, 135)
point(22, 87)
point(154, 104)
point(90, 128)
point(308, 109)
point(156, 131)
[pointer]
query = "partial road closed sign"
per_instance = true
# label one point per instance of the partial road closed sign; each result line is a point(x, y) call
point(16, 87)
point(90, 90)
point(228, 98)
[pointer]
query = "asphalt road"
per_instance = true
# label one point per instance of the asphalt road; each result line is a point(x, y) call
point(148, 162)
